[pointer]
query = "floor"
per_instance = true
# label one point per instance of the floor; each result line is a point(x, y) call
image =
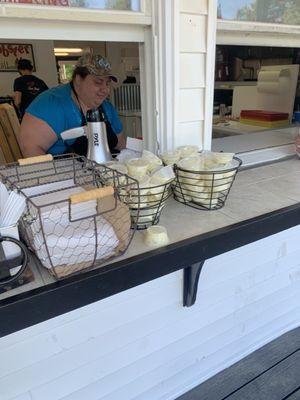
point(270, 373)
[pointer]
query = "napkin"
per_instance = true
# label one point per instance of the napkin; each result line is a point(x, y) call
point(69, 230)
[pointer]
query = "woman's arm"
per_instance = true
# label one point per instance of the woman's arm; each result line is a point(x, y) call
point(17, 99)
point(36, 136)
point(121, 141)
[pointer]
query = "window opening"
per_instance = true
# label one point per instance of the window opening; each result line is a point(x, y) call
point(120, 5)
point(249, 78)
point(271, 11)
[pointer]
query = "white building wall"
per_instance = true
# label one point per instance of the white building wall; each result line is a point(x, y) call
point(184, 37)
point(43, 51)
point(195, 17)
point(143, 345)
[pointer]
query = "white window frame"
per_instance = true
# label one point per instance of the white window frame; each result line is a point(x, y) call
point(257, 34)
point(54, 13)
point(59, 23)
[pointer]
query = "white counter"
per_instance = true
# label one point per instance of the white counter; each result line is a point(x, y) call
point(255, 192)
point(255, 146)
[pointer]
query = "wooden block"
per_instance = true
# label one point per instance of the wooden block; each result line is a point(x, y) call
point(92, 194)
point(13, 118)
point(2, 157)
point(35, 160)
point(10, 135)
point(5, 147)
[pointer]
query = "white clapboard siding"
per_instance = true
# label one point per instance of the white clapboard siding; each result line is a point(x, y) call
point(142, 344)
point(68, 335)
point(89, 310)
point(174, 360)
point(185, 379)
point(193, 33)
point(192, 60)
point(193, 6)
point(191, 107)
point(192, 70)
point(190, 132)
point(24, 396)
point(49, 391)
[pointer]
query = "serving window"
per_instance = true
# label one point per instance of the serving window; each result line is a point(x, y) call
point(256, 69)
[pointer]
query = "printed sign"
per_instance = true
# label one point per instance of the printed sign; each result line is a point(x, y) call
point(126, 5)
point(39, 2)
point(11, 53)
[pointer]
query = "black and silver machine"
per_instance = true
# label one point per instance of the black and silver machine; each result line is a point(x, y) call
point(98, 149)
point(96, 133)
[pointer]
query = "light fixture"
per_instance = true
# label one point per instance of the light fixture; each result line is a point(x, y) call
point(62, 54)
point(68, 50)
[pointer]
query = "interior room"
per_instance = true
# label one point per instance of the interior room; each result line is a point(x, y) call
point(263, 80)
point(53, 62)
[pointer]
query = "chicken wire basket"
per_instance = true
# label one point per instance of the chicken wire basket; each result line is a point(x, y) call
point(73, 220)
point(205, 190)
point(146, 202)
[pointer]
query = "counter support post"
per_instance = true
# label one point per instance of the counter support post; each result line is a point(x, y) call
point(191, 277)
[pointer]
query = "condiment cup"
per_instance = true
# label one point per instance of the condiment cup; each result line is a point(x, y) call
point(137, 167)
point(156, 236)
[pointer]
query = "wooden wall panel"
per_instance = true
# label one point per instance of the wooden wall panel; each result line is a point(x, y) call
point(192, 33)
point(193, 6)
point(192, 70)
point(191, 107)
point(190, 132)
point(143, 344)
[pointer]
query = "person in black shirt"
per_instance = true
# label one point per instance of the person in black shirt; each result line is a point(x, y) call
point(27, 87)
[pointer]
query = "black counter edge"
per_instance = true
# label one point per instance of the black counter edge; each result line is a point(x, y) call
point(35, 306)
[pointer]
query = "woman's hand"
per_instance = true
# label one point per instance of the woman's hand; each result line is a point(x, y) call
point(121, 141)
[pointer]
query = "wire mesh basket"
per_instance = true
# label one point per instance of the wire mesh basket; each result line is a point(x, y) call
point(73, 220)
point(205, 190)
point(146, 202)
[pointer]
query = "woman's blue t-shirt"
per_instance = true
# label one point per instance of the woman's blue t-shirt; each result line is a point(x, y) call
point(57, 108)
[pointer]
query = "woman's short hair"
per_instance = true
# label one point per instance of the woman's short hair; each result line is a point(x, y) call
point(25, 64)
point(81, 71)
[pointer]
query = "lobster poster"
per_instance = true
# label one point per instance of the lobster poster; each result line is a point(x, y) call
point(11, 53)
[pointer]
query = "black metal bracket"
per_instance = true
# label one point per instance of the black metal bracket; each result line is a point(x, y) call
point(6, 265)
point(191, 277)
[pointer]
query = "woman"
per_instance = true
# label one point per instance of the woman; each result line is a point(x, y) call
point(64, 107)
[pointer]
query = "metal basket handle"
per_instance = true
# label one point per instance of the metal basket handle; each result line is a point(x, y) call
point(35, 160)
